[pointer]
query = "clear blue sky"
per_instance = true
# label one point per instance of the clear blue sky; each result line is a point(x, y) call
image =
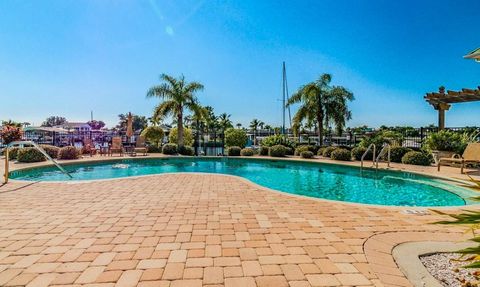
point(69, 57)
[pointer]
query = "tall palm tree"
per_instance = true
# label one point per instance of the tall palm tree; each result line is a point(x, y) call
point(224, 122)
point(177, 95)
point(254, 126)
point(322, 104)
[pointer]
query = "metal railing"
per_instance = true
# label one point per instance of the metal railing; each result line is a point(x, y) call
point(41, 150)
point(365, 154)
point(386, 148)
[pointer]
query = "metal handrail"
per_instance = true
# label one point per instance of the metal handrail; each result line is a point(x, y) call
point(381, 153)
point(366, 152)
point(41, 150)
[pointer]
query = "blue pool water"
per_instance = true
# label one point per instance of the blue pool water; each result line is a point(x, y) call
point(336, 182)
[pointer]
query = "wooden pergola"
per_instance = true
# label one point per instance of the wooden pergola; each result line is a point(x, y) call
point(442, 101)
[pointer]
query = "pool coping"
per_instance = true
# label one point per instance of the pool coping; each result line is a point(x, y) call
point(403, 208)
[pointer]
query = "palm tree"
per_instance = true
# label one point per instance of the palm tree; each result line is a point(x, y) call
point(322, 104)
point(239, 125)
point(268, 128)
point(224, 122)
point(254, 126)
point(199, 116)
point(177, 95)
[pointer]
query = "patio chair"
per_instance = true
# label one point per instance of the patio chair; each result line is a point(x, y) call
point(89, 147)
point(470, 155)
point(117, 146)
point(140, 146)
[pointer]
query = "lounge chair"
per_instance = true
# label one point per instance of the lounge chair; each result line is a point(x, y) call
point(140, 146)
point(117, 146)
point(470, 155)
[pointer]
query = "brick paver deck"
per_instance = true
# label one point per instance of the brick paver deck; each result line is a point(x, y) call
point(197, 230)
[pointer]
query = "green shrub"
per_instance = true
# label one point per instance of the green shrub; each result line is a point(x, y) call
point(68, 152)
point(12, 153)
point(30, 154)
point(320, 151)
point(306, 154)
point(289, 151)
point(187, 136)
point(277, 140)
point(397, 153)
point(416, 158)
point(263, 150)
point(234, 151)
point(382, 137)
point(301, 148)
point(247, 152)
point(357, 153)
point(154, 149)
point(186, 150)
point(169, 148)
point(341, 154)
point(153, 134)
point(51, 150)
point(446, 140)
point(328, 151)
point(277, 151)
point(235, 137)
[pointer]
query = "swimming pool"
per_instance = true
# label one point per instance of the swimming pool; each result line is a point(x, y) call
point(313, 179)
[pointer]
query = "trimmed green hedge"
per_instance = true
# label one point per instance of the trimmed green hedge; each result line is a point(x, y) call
point(234, 151)
point(247, 152)
point(416, 158)
point(169, 148)
point(68, 152)
point(328, 151)
point(397, 153)
point(186, 150)
point(341, 154)
point(302, 148)
point(306, 154)
point(263, 150)
point(30, 154)
point(51, 150)
point(277, 151)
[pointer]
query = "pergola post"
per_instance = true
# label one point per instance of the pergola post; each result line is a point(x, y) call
point(441, 114)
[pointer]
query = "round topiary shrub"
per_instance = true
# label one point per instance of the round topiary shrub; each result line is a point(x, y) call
point(68, 152)
point(186, 150)
point(263, 150)
point(416, 158)
point(357, 153)
point(289, 151)
point(306, 154)
point(328, 151)
point(12, 153)
point(51, 150)
point(154, 149)
point(234, 151)
point(341, 154)
point(247, 152)
point(301, 148)
point(169, 148)
point(320, 151)
point(277, 151)
point(30, 154)
point(397, 153)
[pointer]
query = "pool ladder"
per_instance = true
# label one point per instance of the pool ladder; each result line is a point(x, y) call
point(376, 158)
point(41, 150)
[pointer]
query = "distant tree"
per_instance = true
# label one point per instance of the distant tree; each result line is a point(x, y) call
point(153, 134)
point(254, 124)
point(10, 133)
point(177, 95)
point(138, 122)
point(11, 124)
point(54, 121)
point(239, 125)
point(96, 125)
point(322, 103)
